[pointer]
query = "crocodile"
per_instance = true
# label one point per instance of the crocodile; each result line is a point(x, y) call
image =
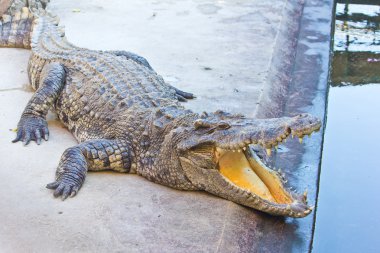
point(126, 118)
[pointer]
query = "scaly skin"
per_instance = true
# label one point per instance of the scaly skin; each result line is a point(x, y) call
point(127, 119)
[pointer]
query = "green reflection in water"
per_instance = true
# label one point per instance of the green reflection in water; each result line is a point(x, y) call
point(356, 58)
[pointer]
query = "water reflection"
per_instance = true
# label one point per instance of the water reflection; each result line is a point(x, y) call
point(348, 219)
point(356, 45)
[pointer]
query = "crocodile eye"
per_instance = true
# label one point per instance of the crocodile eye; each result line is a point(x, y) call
point(223, 125)
point(200, 123)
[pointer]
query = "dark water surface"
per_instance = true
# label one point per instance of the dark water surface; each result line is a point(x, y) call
point(348, 211)
point(349, 195)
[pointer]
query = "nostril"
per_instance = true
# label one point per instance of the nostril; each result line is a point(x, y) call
point(302, 115)
point(223, 125)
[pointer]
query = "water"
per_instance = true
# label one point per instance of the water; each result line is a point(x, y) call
point(348, 216)
point(349, 193)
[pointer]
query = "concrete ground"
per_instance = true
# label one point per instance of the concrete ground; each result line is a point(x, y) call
point(219, 50)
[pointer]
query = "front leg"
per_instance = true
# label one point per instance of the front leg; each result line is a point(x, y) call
point(32, 125)
point(90, 155)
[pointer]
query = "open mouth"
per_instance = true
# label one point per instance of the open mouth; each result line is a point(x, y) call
point(224, 162)
point(246, 171)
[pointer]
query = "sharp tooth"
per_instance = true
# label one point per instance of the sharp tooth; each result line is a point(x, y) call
point(300, 139)
point(276, 147)
point(305, 194)
point(307, 211)
point(244, 148)
point(269, 151)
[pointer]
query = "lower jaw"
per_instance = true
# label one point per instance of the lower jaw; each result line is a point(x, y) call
point(262, 186)
point(246, 171)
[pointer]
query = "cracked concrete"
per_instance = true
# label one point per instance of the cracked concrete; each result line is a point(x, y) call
point(219, 50)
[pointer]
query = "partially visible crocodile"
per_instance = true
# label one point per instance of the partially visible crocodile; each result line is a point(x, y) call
point(127, 119)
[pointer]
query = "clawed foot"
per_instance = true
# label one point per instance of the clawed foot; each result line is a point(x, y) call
point(70, 174)
point(64, 188)
point(32, 128)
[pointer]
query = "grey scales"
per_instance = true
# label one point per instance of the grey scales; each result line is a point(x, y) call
point(126, 118)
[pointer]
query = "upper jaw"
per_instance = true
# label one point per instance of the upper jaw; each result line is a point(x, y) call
point(269, 133)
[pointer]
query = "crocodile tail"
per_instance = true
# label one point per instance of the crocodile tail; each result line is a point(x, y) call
point(16, 30)
point(10, 7)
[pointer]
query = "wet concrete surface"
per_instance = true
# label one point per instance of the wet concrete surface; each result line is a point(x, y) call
point(221, 51)
point(305, 92)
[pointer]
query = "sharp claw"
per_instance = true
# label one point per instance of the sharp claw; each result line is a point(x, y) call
point(18, 137)
point(45, 132)
point(26, 142)
point(26, 138)
point(66, 192)
point(73, 193)
point(52, 186)
point(188, 95)
point(37, 136)
point(59, 190)
point(181, 98)
point(185, 94)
